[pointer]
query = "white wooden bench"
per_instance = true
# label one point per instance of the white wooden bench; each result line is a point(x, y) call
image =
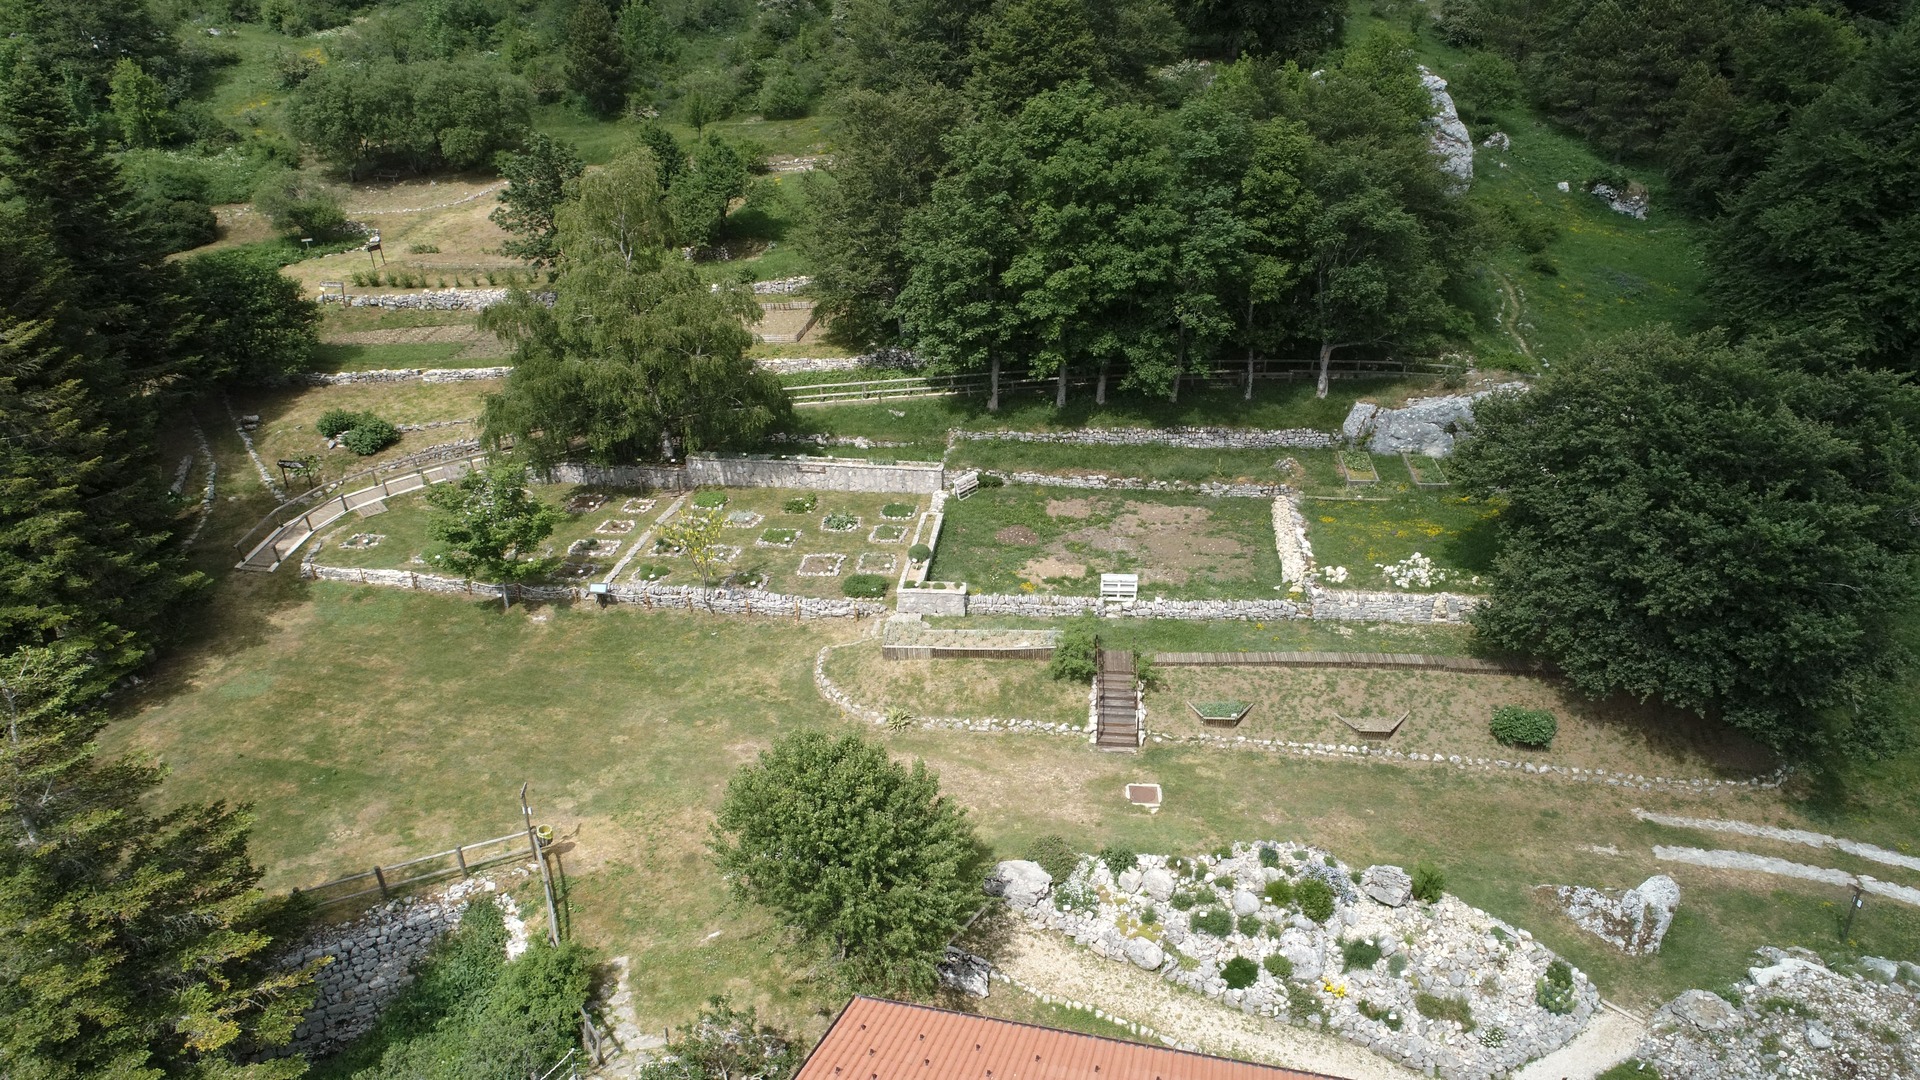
point(1122, 589)
point(966, 484)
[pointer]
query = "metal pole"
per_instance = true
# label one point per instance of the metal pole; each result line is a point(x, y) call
point(1852, 909)
point(546, 882)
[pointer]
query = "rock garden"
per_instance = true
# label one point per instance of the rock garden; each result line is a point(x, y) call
point(1380, 957)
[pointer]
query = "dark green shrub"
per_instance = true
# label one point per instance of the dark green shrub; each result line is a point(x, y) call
point(1435, 1007)
point(1217, 922)
point(919, 553)
point(988, 480)
point(1239, 973)
point(1278, 966)
point(1074, 655)
point(710, 500)
point(1280, 893)
point(1269, 855)
point(865, 586)
point(1554, 992)
point(1149, 915)
point(1119, 860)
point(1429, 883)
point(1185, 900)
point(1358, 953)
point(1054, 855)
point(1516, 726)
point(370, 436)
point(336, 422)
point(1316, 899)
point(1630, 1069)
point(1183, 866)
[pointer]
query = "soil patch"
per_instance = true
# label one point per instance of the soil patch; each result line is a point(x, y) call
point(1172, 543)
point(1017, 534)
point(1069, 508)
point(1048, 566)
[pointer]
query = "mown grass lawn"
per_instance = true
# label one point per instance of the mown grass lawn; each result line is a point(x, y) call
point(339, 357)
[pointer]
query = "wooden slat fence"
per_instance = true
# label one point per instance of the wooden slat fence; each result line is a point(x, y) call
point(1469, 664)
point(463, 860)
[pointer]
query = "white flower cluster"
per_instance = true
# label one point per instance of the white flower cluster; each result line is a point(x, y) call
point(1334, 575)
point(1416, 571)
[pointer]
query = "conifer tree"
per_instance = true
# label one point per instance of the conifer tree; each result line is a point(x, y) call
point(596, 61)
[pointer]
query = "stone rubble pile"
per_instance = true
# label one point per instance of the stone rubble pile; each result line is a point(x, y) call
point(1632, 920)
point(373, 958)
point(1423, 426)
point(1795, 1017)
point(1446, 949)
point(1632, 202)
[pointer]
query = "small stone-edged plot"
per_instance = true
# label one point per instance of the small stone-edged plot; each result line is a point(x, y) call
point(767, 538)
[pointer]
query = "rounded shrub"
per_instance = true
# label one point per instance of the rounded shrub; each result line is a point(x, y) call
point(370, 436)
point(1278, 966)
point(1280, 892)
point(919, 553)
point(865, 586)
point(337, 422)
point(1185, 900)
point(1239, 973)
point(1316, 899)
point(1554, 993)
point(1358, 953)
point(1119, 859)
point(1217, 922)
point(1269, 855)
point(1054, 855)
point(1517, 726)
point(1429, 883)
point(1074, 654)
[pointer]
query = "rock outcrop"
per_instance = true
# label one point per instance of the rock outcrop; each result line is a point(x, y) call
point(1427, 426)
point(1632, 920)
point(1791, 1016)
point(1447, 134)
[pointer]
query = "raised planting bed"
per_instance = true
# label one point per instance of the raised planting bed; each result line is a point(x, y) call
point(710, 500)
point(838, 522)
point(777, 538)
point(897, 511)
point(887, 534)
point(1220, 713)
point(1356, 466)
point(1426, 471)
point(742, 519)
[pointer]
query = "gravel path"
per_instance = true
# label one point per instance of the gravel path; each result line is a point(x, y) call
point(1608, 1041)
point(1060, 969)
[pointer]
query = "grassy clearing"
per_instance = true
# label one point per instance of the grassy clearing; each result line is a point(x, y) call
point(1364, 527)
point(967, 688)
point(1035, 539)
point(337, 357)
point(335, 319)
point(370, 724)
point(287, 417)
point(1448, 712)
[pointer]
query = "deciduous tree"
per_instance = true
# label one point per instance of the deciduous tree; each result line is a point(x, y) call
point(490, 526)
point(1728, 530)
point(856, 851)
point(537, 183)
point(257, 324)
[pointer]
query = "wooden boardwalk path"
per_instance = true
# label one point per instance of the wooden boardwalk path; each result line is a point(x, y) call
point(1117, 702)
point(1470, 664)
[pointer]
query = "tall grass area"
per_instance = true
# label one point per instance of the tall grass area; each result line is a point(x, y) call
point(471, 1014)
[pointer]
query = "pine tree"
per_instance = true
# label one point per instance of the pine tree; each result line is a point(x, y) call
point(596, 61)
point(131, 944)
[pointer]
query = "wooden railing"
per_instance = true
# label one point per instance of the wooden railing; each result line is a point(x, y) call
point(462, 859)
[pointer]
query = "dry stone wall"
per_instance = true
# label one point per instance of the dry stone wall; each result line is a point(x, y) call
point(1102, 482)
point(669, 597)
point(1190, 438)
point(393, 375)
point(438, 299)
point(820, 474)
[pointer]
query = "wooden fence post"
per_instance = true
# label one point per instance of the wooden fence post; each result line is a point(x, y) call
point(382, 879)
point(460, 857)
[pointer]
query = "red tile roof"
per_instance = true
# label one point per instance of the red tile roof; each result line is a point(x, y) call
point(887, 1040)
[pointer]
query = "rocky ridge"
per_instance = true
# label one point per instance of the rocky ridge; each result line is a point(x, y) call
point(1456, 953)
point(1793, 1016)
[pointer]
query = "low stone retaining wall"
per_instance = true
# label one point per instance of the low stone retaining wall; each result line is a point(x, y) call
point(1051, 606)
point(438, 299)
point(931, 602)
point(1102, 482)
point(820, 474)
point(1191, 438)
point(1363, 606)
point(652, 477)
point(393, 375)
point(671, 597)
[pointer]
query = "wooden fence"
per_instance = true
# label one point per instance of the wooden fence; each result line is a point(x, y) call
point(974, 383)
point(463, 860)
point(1469, 664)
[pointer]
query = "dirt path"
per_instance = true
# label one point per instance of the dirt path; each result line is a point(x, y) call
point(1608, 1041)
point(1055, 967)
point(1510, 319)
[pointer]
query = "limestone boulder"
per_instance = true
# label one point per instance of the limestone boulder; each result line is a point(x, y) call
point(1158, 884)
point(1387, 885)
point(1633, 921)
point(1447, 134)
point(1022, 883)
point(1245, 903)
point(1704, 1010)
point(965, 972)
point(1145, 954)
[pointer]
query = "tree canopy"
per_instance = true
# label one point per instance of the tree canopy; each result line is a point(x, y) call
point(856, 851)
point(1728, 529)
